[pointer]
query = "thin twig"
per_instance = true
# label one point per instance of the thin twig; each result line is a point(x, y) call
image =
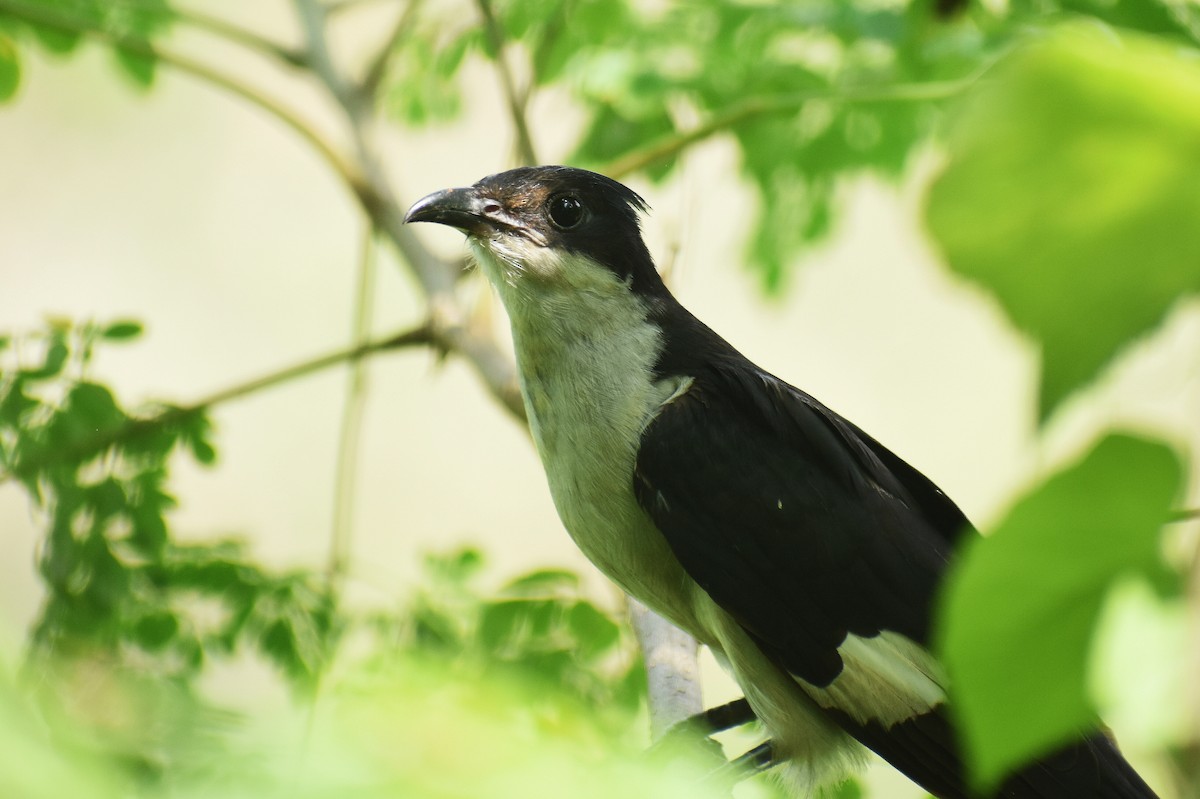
point(39, 15)
point(377, 69)
point(738, 113)
point(422, 335)
point(350, 430)
point(251, 40)
point(338, 6)
point(516, 109)
point(436, 277)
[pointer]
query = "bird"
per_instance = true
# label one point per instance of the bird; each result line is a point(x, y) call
point(801, 551)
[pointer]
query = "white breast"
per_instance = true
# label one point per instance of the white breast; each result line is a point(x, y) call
point(585, 353)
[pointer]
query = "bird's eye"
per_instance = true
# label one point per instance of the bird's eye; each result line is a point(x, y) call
point(566, 211)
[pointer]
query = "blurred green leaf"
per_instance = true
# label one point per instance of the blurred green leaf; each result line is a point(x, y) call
point(15, 404)
point(10, 69)
point(1021, 606)
point(541, 583)
point(1071, 195)
point(154, 630)
point(595, 632)
point(122, 331)
point(140, 68)
point(94, 407)
point(55, 359)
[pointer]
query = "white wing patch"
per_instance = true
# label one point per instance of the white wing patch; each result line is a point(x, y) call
point(886, 678)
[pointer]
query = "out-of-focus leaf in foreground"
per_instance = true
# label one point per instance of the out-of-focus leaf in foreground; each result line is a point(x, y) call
point(1022, 605)
point(1071, 195)
point(401, 727)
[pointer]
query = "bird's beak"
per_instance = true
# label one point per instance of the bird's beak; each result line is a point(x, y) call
point(460, 208)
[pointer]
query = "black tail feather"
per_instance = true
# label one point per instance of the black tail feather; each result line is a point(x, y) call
point(925, 749)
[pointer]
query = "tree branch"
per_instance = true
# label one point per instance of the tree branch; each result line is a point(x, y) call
point(228, 31)
point(377, 69)
point(516, 108)
point(738, 113)
point(672, 669)
point(39, 15)
point(436, 277)
point(350, 429)
point(422, 335)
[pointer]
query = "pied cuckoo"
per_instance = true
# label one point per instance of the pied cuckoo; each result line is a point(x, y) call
point(805, 554)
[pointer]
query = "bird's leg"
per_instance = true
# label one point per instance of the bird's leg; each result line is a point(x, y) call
point(694, 734)
point(717, 719)
point(756, 761)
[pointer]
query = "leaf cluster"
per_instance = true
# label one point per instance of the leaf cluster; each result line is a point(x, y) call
point(139, 19)
point(131, 607)
point(538, 629)
point(118, 584)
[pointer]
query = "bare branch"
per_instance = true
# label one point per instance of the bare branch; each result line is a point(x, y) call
point(672, 669)
point(516, 105)
point(436, 277)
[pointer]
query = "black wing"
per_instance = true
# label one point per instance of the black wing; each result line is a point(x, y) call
point(804, 529)
point(794, 521)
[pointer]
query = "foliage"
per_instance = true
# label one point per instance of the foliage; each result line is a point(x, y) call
point(139, 20)
point(1108, 133)
point(134, 613)
point(116, 580)
point(537, 629)
point(1019, 625)
point(396, 727)
point(1066, 179)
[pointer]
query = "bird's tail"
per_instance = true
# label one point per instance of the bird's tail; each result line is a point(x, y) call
point(925, 749)
point(1089, 769)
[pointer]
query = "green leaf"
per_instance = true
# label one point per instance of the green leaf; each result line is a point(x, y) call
point(56, 358)
point(596, 632)
point(140, 68)
point(122, 330)
point(10, 69)
point(15, 404)
point(1021, 606)
point(543, 582)
point(1071, 195)
point(94, 407)
point(155, 630)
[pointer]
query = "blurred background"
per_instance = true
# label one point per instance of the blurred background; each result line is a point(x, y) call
point(171, 217)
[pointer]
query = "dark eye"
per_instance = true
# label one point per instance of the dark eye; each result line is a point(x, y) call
point(566, 211)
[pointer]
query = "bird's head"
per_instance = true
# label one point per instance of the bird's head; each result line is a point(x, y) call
point(549, 227)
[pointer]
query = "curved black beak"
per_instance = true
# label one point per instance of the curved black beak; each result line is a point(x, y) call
point(460, 208)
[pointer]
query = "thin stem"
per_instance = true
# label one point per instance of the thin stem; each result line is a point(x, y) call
point(130, 44)
point(249, 39)
point(422, 335)
point(736, 114)
point(436, 277)
point(516, 108)
point(350, 431)
point(377, 70)
point(338, 6)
